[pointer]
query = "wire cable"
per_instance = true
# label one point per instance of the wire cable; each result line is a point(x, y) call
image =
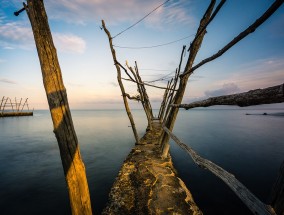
point(161, 78)
point(154, 46)
point(140, 19)
point(167, 70)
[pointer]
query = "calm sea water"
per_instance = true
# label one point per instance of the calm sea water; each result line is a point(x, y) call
point(31, 175)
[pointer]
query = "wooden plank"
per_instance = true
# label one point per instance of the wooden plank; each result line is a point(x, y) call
point(249, 199)
point(268, 95)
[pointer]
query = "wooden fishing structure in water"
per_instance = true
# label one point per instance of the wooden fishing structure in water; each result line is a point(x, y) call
point(8, 108)
point(147, 182)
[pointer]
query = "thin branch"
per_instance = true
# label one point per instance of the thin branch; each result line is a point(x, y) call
point(172, 116)
point(238, 38)
point(125, 70)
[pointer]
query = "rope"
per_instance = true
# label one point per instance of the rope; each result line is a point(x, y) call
point(140, 19)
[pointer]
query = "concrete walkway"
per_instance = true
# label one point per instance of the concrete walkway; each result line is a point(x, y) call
point(147, 184)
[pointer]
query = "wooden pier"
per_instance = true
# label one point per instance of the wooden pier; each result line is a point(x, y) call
point(148, 184)
point(13, 114)
point(13, 109)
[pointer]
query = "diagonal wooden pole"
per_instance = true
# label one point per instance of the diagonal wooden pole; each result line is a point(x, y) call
point(183, 82)
point(73, 165)
point(128, 111)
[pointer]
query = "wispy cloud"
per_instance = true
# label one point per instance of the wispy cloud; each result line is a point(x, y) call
point(258, 74)
point(82, 11)
point(18, 35)
point(69, 43)
point(75, 84)
point(14, 34)
point(7, 81)
point(226, 89)
point(113, 84)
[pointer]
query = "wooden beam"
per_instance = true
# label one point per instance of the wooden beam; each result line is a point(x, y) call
point(183, 82)
point(24, 104)
point(141, 90)
point(74, 168)
point(248, 198)
point(11, 104)
point(144, 92)
point(268, 95)
point(241, 36)
point(174, 85)
point(220, 5)
point(2, 102)
point(128, 111)
point(5, 104)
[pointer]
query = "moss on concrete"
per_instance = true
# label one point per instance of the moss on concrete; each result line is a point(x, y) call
point(147, 184)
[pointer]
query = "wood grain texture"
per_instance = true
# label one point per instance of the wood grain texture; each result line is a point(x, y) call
point(119, 80)
point(239, 37)
point(73, 165)
point(268, 95)
point(194, 48)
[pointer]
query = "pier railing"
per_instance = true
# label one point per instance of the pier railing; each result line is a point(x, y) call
point(14, 108)
point(249, 199)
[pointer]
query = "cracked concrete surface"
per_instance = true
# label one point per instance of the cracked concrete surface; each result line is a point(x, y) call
point(147, 184)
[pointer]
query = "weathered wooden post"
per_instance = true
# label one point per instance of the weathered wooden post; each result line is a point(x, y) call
point(5, 104)
point(2, 102)
point(183, 82)
point(16, 103)
point(11, 104)
point(18, 109)
point(24, 104)
point(143, 94)
point(161, 111)
point(171, 99)
point(121, 84)
point(277, 193)
point(73, 165)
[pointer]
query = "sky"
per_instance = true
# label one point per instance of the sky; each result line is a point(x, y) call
point(87, 65)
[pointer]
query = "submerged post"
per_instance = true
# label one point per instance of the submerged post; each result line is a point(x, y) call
point(73, 165)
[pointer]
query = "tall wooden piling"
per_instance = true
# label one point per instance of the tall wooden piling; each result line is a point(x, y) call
point(124, 96)
point(73, 165)
point(183, 82)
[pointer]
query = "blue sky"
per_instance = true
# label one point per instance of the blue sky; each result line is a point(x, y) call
point(86, 62)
